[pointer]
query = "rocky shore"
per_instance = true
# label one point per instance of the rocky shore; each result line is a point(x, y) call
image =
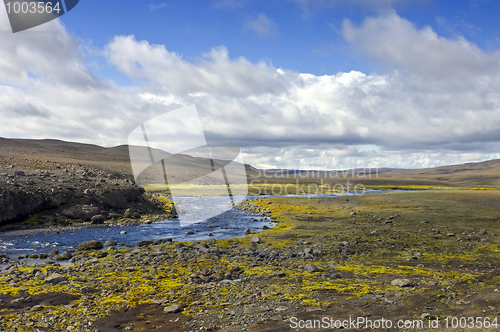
point(333, 263)
point(71, 194)
point(216, 284)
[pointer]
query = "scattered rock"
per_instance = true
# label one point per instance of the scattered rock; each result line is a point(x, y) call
point(311, 268)
point(129, 213)
point(255, 239)
point(88, 192)
point(172, 308)
point(255, 310)
point(55, 278)
point(66, 255)
point(401, 282)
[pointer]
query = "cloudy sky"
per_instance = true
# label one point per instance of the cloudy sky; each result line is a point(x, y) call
point(325, 84)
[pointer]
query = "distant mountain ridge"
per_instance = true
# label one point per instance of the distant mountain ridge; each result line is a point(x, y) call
point(34, 153)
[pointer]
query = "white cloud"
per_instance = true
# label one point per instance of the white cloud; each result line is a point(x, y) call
point(425, 111)
point(262, 26)
point(399, 43)
point(214, 73)
point(154, 7)
point(47, 51)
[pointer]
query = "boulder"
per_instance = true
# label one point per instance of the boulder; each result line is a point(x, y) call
point(83, 212)
point(172, 308)
point(401, 282)
point(255, 239)
point(66, 255)
point(311, 268)
point(144, 243)
point(98, 219)
point(53, 253)
point(55, 278)
point(92, 244)
point(162, 241)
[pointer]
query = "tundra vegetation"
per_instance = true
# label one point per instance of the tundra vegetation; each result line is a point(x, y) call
point(400, 255)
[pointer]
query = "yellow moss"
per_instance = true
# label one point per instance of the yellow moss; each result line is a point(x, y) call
point(259, 270)
point(341, 286)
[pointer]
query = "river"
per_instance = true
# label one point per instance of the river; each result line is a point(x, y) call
point(230, 224)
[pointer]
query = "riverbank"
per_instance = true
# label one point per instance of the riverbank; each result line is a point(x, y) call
point(27, 244)
point(408, 255)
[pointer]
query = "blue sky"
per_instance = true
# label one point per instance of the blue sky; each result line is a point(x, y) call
point(303, 38)
point(296, 83)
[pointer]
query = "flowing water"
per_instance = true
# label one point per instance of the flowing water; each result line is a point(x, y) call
point(230, 224)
